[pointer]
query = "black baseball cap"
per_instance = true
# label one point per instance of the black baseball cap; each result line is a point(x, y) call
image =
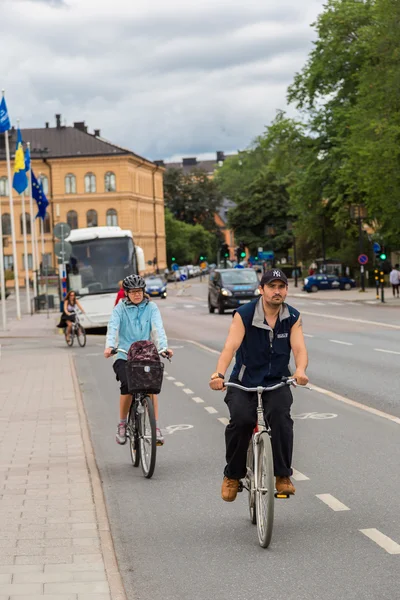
point(273, 275)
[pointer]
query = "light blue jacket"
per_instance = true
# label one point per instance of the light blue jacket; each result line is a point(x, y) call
point(133, 323)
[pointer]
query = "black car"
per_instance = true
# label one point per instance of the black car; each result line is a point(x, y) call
point(230, 288)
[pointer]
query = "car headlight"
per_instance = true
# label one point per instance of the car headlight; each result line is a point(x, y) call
point(306, 281)
point(257, 292)
point(226, 292)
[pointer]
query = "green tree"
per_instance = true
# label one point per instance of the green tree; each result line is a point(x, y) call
point(186, 243)
point(192, 197)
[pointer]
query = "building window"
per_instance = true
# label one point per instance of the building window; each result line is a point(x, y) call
point(30, 263)
point(109, 182)
point(90, 183)
point(91, 218)
point(72, 219)
point(70, 184)
point(9, 262)
point(45, 184)
point(28, 223)
point(46, 224)
point(111, 217)
point(46, 261)
point(3, 186)
point(6, 224)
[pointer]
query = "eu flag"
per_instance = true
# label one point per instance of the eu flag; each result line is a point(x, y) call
point(27, 160)
point(20, 181)
point(39, 196)
point(5, 124)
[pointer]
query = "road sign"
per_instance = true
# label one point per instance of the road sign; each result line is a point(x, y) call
point(61, 231)
point(267, 255)
point(175, 267)
point(363, 259)
point(183, 277)
point(63, 250)
point(376, 247)
point(203, 265)
point(260, 249)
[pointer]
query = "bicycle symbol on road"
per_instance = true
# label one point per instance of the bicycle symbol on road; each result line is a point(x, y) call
point(314, 415)
point(170, 429)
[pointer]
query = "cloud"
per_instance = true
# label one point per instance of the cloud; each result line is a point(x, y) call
point(163, 78)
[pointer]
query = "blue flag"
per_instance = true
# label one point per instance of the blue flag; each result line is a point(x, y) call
point(20, 181)
point(5, 124)
point(27, 160)
point(39, 196)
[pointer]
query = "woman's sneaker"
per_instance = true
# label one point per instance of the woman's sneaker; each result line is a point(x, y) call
point(121, 434)
point(159, 437)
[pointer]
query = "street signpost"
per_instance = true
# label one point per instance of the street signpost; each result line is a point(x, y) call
point(376, 247)
point(63, 250)
point(175, 267)
point(362, 260)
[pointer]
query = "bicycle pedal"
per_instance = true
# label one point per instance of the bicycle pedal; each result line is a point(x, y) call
point(285, 496)
point(240, 488)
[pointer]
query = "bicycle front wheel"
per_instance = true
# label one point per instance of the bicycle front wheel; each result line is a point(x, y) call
point(147, 437)
point(250, 481)
point(81, 335)
point(265, 490)
point(70, 340)
point(133, 435)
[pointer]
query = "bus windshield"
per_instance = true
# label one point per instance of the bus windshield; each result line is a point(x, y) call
point(96, 266)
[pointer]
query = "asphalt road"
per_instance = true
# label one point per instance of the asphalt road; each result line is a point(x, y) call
point(176, 539)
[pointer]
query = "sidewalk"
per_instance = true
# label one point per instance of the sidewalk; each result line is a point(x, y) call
point(55, 540)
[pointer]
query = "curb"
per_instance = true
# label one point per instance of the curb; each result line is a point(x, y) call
point(114, 578)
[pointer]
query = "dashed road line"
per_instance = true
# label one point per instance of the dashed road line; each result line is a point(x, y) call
point(297, 476)
point(319, 303)
point(387, 351)
point(179, 383)
point(340, 342)
point(188, 391)
point(197, 399)
point(170, 378)
point(211, 410)
point(365, 321)
point(223, 420)
point(308, 335)
point(332, 502)
point(382, 540)
point(336, 303)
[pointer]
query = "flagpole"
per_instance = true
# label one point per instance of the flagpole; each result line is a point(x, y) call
point(28, 298)
point(33, 232)
point(2, 279)
point(14, 245)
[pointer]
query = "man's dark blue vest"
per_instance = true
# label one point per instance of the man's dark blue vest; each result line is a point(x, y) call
point(264, 354)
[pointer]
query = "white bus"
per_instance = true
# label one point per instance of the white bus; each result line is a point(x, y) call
point(100, 258)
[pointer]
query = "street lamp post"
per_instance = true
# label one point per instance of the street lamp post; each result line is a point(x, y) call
point(291, 229)
point(358, 212)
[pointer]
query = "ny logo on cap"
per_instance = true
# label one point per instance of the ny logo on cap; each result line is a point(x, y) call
point(276, 274)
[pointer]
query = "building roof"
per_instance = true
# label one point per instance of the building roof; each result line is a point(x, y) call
point(188, 164)
point(64, 142)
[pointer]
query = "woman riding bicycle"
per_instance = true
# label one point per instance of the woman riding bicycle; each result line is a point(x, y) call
point(133, 319)
point(69, 311)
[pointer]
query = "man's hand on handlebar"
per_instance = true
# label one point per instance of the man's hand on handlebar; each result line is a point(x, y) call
point(300, 377)
point(217, 383)
point(108, 352)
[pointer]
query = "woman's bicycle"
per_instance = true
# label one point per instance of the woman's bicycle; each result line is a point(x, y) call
point(77, 331)
point(141, 428)
point(259, 480)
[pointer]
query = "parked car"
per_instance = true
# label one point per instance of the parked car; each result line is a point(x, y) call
point(230, 288)
point(313, 283)
point(155, 286)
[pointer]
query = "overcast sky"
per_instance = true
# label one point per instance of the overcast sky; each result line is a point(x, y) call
point(168, 78)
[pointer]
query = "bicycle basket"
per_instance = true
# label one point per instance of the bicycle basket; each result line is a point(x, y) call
point(144, 376)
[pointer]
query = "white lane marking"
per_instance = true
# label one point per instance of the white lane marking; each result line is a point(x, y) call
point(326, 316)
point(170, 378)
point(320, 303)
point(176, 347)
point(210, 409)
point(223, 420)
point(340, 342)
point(382, 540)
point(314, 415)
point(189, 305)
point(179, 383)
point(387, 351)
point(188, 391)
point(372, 301)
point(374, 411)
point(308, 335)
point(332, 502)
point(336, 303)
point(197, 399)
point(297, 476)
point(94, 354)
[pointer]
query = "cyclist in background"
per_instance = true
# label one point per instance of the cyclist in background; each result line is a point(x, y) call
point(121, 293)
point(69, 310)
point(262, 334)
point(133, 319)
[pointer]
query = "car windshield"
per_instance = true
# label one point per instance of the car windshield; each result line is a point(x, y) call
point(154, 282)
point(239, 277)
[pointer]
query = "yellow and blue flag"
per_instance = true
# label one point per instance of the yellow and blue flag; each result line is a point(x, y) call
point(39, 195)
point(20, 181)
point(5, 124)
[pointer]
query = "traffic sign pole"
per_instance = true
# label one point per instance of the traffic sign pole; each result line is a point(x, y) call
point(362, 260)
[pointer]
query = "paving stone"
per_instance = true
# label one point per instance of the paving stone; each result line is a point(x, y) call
point(92, 587)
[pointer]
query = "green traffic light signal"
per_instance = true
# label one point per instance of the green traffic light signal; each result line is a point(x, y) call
point(173, 259)
point(242, 254)
point(226, 255)
point(382, 256)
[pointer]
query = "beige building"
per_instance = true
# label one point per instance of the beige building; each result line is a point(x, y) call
point(88, 182)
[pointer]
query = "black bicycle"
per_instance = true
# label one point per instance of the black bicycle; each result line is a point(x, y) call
point(141, 428)
point(77, 331)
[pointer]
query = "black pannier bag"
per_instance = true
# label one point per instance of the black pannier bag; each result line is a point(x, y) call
point(144, 368)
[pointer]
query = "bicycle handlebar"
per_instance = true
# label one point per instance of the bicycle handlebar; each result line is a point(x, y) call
point(162, 352)
point(270, 388)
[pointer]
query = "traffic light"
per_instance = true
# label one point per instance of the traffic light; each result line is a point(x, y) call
point(173, 259)
point(382, 255)
point(225, 250)
point(242, 250)
point(203, 257)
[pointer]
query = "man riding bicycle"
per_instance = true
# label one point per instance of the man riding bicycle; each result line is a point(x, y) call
point(262, 334)
point(133, 319)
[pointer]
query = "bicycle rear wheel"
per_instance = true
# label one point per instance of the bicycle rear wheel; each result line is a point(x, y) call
point(81, 335)
point(133, 435)
point(264, 494)
point(250, 482)
point(147, 437)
